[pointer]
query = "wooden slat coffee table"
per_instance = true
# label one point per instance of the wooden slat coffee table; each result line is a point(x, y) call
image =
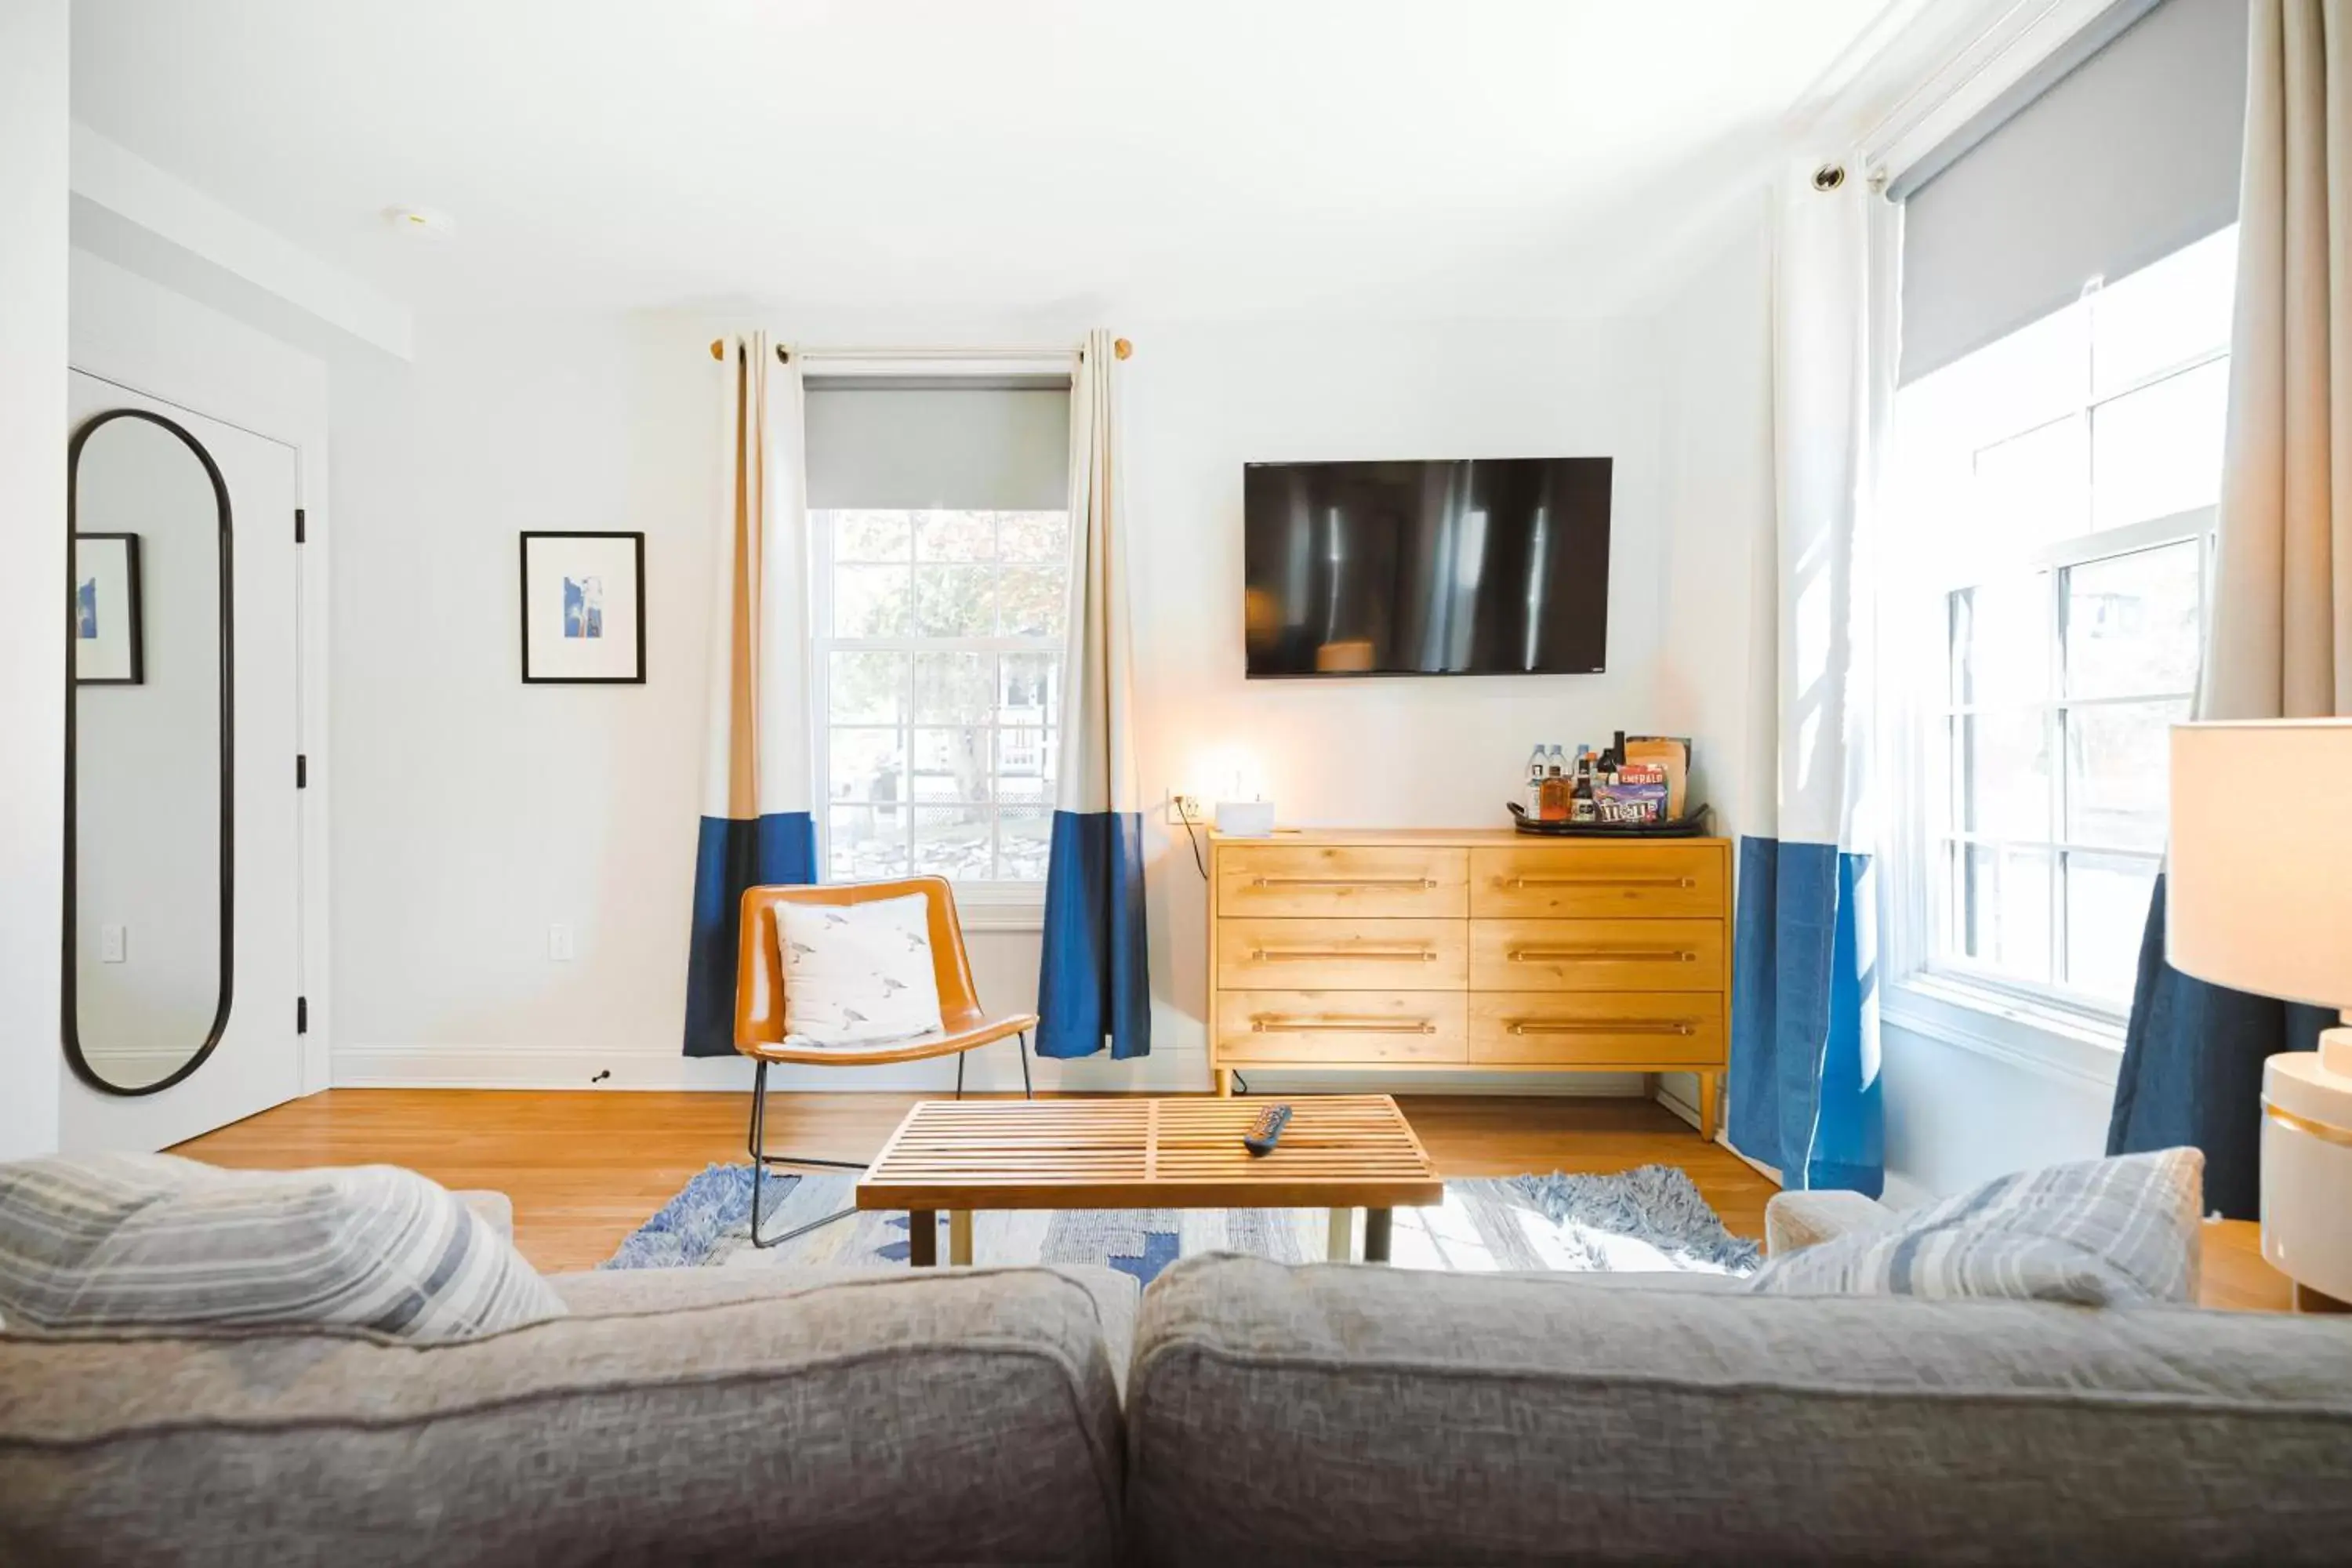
point(1340, 1152)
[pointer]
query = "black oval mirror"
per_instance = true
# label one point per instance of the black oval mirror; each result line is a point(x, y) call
point(149, 796)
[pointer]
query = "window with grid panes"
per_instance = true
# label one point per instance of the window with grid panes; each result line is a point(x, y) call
point(2055, 491)
point(937, 677)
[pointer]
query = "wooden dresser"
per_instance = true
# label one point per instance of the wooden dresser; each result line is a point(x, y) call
point(1473, 950)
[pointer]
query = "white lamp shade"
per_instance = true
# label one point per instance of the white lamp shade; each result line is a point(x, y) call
point(2261, 874)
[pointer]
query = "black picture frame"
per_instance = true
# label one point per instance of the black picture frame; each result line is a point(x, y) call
point(636, 604)
point(135, 593)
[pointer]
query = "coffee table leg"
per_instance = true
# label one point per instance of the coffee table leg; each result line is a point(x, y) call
point(959, 1237)
point(1340, 1245)
point(1376, 1235)
point(922, 1238)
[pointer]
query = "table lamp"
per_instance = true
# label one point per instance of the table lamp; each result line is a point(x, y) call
point(2261, 901)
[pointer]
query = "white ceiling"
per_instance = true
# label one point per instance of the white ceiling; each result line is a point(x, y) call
point(1453, 157)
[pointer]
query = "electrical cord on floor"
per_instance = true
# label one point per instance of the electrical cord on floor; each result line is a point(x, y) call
point(1241, 1084)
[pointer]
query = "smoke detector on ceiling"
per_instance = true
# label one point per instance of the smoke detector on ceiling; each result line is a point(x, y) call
point(423, 223)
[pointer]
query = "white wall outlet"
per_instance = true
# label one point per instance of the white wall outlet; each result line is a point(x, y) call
point(558, 943)
point(110, 940)
point(1183, 808)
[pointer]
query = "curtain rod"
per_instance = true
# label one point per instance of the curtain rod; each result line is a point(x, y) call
point(1120, 346)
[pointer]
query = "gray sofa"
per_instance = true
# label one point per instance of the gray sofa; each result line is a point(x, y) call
point(1314, 1415)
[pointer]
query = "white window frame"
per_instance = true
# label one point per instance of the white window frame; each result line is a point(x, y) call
point(992, 905)
point(2067, 1035)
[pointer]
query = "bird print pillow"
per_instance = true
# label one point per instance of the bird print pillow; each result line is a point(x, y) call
point(858, 974)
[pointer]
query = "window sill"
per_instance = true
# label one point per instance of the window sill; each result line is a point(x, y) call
point(2066, 1048)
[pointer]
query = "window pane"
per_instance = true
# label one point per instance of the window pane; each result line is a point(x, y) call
point(2115, 763)
point(951, 764)
point(1033, 536)
point(1032, 691)
point(2003, 762)
point(868, 689)
point(2107, 915)
point(2034, 488)
point(953, 840)
point(2000, 641)
point(1024, 840)
point(869, 601)
point(956, 536)
point(955, 601)
point(2132, 624)
point(1033, 600)
point(2004, 896)
point(955, 686)
point(869, 536)
point(861, 847)
point(2163, 315)
point(867, 765)
point(1025, 756)
point(2157, 451)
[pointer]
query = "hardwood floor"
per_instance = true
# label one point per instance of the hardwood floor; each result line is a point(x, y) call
point(586, 1169)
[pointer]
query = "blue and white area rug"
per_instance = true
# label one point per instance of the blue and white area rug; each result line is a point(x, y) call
point(1646, 1219)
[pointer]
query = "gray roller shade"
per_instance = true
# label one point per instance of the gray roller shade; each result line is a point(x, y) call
point(2115, 154)
point(983, 447)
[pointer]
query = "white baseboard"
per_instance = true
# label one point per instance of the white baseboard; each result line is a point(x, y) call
point(988, 1070)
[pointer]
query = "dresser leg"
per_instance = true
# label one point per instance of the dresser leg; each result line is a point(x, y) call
point(1706, 1095)
point(1225, 1083)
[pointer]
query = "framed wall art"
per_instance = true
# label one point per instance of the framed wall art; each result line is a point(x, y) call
point(583, 608)
point(109, 638)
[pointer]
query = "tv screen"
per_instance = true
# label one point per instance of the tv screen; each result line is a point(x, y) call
point(1453, 567)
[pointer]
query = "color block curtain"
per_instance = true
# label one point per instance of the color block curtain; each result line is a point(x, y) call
point(1804, 1026)
point(756, 828)
point(2279, 641)
point(1095, 983)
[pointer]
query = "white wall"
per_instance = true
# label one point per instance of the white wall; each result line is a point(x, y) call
point(33, 162)
point(1958, 1116)
point(473, 812)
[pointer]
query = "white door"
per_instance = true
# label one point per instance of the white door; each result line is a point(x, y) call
point(153, 978)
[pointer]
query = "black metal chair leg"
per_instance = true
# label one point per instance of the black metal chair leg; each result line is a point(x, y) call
point(1026, 1093)
point(959, 1056)
point(761, 1160)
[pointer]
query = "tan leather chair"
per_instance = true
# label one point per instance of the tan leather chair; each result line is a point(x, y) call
point(759, 1011)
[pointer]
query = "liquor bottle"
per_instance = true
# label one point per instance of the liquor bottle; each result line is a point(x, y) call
point(1582, 806)
point(1555, 795)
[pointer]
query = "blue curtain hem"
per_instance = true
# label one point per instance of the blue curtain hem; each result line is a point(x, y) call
point(730, 854)
point(1094, 976)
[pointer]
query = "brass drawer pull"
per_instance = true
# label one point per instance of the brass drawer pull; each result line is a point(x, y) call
point(1343, 881)
point(1603, 881)
point(1310, 955)
point(1604, 1026)
point(1277, 1024)
point(1602, 955)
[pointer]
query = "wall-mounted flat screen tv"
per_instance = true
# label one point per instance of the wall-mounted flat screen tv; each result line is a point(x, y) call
point(1453, 567)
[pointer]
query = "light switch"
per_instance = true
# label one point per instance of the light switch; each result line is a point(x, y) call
point(110, 943)
point(558, 943)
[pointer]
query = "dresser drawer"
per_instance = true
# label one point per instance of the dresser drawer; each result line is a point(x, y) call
point(1641, 880)
point(1368, 1026)
point(1343, 955)
point(1342, 880)
point(1596, 955)
point(1639, 1030)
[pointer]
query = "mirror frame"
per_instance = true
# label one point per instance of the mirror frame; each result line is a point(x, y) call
point(71, 977)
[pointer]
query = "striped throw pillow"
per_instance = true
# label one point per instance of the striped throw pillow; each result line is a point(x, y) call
point(2100, 1233)
point(156, 1243)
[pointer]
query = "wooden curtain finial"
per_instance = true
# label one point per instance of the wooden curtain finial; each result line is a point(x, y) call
point(718, 349)
point(1122, 347)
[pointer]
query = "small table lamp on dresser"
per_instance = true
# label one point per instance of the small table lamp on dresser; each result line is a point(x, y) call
point(2261, 901)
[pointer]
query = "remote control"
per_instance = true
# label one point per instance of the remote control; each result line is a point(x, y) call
point(1268, 1131)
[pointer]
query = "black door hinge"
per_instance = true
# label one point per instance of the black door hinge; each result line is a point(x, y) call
point(301, 770)
point(298, 526)
point(301, 1015)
